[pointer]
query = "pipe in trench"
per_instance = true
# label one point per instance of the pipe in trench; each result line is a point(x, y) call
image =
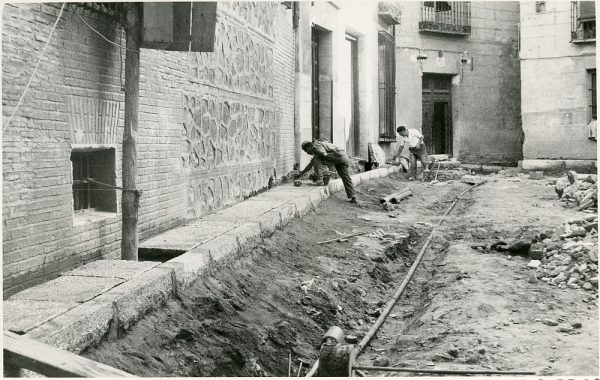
point(444, 371)
point(363, 343)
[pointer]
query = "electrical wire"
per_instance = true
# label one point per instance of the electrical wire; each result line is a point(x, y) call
point(101, 35)
point(35, 68)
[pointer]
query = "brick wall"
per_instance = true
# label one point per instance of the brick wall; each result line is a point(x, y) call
point(188, 164)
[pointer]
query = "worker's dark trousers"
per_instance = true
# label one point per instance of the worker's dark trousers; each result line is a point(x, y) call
point(342, 170)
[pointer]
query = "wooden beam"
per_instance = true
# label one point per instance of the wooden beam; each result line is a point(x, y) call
point(131, 196)
point(49, 361)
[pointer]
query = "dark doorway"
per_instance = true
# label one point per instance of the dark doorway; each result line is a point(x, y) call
point(437, 116)
point(315, 84)
point(349, 95)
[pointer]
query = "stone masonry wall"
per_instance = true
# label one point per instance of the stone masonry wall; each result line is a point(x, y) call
point(485, 91)
point(212, 128)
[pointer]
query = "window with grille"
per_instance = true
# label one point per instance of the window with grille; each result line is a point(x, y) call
point(583, 21)
point(94, 178)
point(592, 100)
point(387, 87)
point(449, 17)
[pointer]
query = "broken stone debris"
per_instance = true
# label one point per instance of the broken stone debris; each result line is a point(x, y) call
point(577, 189)
point(570, 257)
point(473, 179)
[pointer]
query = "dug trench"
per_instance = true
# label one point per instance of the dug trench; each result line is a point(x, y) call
point(282, 294)
point(279, 297)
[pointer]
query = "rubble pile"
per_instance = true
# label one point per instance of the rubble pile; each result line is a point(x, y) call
point(578, 189)
point(568, 257)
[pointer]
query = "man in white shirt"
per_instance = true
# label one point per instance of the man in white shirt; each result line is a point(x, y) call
point(416, 146)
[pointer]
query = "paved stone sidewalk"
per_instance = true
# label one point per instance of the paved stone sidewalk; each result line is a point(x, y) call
point(81, 306)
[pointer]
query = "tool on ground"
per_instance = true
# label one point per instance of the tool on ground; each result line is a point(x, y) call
point(342, 237)
point(289, 364)
point(338, 359)
point(302, 363)
point(395, 198)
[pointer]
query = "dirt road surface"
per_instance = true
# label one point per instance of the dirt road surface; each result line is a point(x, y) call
point(464, 309)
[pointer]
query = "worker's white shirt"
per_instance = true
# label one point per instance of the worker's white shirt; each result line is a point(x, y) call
point(413, 138)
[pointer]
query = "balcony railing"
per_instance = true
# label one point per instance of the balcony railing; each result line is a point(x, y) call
point(583, 21)
point(449, 17)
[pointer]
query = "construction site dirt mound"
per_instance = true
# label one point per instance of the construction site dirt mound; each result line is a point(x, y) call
point(464, 309)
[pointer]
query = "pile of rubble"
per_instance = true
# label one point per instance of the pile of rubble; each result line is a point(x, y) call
point(579, 189)
point(568, 256)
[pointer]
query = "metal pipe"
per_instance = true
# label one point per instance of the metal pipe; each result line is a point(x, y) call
point(360, 346)
point(443, 371)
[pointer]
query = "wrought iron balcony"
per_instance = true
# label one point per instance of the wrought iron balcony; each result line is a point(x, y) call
point(583, 21)
point(449, 17)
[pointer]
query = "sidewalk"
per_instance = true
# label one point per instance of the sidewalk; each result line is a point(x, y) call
point(81, 306)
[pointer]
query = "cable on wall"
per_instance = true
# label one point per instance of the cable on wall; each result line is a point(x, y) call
point(35, 68)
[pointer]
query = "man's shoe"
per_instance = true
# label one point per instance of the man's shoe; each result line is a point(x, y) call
point(319, 183)
point(352, 200)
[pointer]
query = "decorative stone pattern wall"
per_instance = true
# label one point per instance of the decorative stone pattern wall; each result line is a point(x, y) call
point(217, 133)
point(230, 125)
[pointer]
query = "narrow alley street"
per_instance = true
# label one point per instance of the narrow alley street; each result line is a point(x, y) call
point(465, 309)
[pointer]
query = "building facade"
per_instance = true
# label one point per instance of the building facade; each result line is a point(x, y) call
point(457, 79)
point(336, 74)
point(558, 81)
point(214, 128)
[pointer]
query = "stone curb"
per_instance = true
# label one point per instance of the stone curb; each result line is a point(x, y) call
point(119, 307)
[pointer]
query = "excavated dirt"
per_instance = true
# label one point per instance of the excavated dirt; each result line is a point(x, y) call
point(464, 309)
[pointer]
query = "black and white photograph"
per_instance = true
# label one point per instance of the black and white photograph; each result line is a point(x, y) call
point(344, 188)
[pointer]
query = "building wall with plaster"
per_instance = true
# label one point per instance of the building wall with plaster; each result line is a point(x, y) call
point(555, 84)
point(486, 95)
point(335, 20)
point(213, 128)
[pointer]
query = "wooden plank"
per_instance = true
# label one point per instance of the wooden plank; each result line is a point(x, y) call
point(157, 25)
point(204, 19)
point(49, 361)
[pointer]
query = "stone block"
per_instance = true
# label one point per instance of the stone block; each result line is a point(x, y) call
point(245, 211)
point(302, 204)
point(287, 212)
point(69, 289)
point(536, 175)
point(137, 296)
point(542, 164)
point(269, 222)
point(246, 232)
point(21, 316)
point(123, 269)
point(189, 266)
point(319, 194)
point(76, 329)
point(335, 185)
point(186, 237)
point(222, 249)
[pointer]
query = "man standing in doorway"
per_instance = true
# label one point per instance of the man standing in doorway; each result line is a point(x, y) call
point(416, 146)
point(324, 154)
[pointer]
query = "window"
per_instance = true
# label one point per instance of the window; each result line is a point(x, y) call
point(94, 178)
point(448, 17)
point(387, 87)
point(592, 98)
point(583, 21)
point(540, 6)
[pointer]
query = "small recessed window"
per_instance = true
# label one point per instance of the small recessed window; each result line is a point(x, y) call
point(94, 179)
point(540, 6)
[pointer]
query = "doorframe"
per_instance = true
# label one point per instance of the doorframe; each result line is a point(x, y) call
point(354, 104)
point(448, 94)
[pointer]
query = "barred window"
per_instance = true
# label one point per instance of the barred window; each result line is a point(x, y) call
point(94, 178)
point(592, 100)
point(387, 87)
